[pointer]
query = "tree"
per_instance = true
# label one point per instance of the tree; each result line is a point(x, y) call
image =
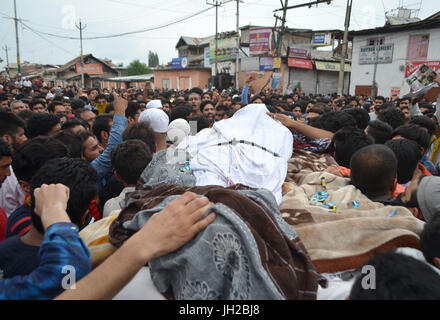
point(153, 59)
point(136, 67)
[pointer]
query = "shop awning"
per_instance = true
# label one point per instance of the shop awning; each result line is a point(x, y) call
point(300, 63)
point(331, 66)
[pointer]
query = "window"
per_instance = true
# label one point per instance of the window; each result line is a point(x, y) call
point(418, 45)
point(375, 41)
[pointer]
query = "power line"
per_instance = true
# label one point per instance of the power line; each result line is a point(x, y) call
point(120, 34)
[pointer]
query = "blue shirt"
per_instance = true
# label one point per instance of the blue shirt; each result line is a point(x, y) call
point(103, 164)
point(61, 247)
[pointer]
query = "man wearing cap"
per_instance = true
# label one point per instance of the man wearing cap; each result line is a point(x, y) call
point(158, 122)
point(154, 104)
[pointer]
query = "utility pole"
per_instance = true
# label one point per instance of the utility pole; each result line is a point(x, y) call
point(16, 40)
point(7, 61)
point(216, 36)
point(283, 24)
point(344, 48)
point(374, 85)
point(81, 28)
point(238, 49)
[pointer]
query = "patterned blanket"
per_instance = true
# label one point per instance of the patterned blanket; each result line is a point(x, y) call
point(249, 252)
point(354, 232)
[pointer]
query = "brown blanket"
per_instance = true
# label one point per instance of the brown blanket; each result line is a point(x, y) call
point(285, 259)
point(345, 239)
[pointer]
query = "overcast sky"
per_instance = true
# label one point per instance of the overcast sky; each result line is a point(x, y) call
point(107, 17)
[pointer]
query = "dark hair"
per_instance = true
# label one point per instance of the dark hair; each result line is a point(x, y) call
point(130, 158)
point(9, 123)
point(424, 122)
point(393, 116)
point(205, 103)
point(5, 150)
point(334, 121)
point(398, 277)
point(408, 154)
point(360, 116)
point(51, 106)
point(81, 179)
point(102, 123)
point(71, 141)
point(380, 98)
point(110, 107)
point(73, 122)
point(380, 131)
point(36, 101)
point(101, 96)
point(34, 153)
point(414, 132)
point(77, 103)
point(430, 239)
point(221, 108)
point(25, 115)
point(255, 98)
point(347, 141)
point(40, 124)
point(373, 169)
point(132, 109)
point(196, 90)
point(180, 111)
point(140, 131)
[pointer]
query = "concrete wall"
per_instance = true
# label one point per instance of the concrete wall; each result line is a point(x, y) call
point(390, 74)
point(182, 78)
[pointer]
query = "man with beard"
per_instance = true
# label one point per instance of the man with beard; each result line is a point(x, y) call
point(195, 100)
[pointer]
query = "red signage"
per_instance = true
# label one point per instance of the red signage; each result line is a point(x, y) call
point(300, 63)
point(90, 68)
point(412, 66)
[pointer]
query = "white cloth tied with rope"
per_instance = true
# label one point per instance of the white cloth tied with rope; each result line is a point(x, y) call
point(250, 148)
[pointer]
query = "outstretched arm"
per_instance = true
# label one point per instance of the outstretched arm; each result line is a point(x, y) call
point(164, 232)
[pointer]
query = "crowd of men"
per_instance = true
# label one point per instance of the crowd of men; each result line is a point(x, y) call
point(68, 156)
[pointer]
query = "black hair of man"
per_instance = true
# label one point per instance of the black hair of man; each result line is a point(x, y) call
point(25, 115)
point(10, 123)
point(373, 170)
point(132, 109)
point(202, 122)
point(334, 121)
point(180, 111)
point(380, 98)
point(36, 101)
point(34, 153)
point(414, 132)
point(77, 103)
point(360, 116)
point(102, 123)
point(40, 124)
point(53, 104)
point(5, 149)
point(205, 103)
point(393, 116)
point(196, 90)
point(255, 98)
point(110, 107)
point(81, 179)
point(424, 122)
point(430, 240)
point(347, 141)
point(100, 97)
point(380, 131)
point(129, 159)
point(140, 131)
point(221, 108)
point(73, 122)
point(397, 277)
point(408, 154)
point(71, 141)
